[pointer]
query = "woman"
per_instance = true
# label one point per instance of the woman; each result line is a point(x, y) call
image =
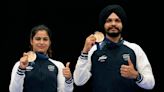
point(36, 71)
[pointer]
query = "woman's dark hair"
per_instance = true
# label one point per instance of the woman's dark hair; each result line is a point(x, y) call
point(37, 28)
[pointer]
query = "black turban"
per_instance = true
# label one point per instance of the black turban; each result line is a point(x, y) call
point(108, 10)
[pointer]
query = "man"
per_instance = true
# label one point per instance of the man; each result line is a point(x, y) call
point(113, 65)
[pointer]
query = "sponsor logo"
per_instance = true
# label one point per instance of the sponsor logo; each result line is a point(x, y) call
point(102, 58)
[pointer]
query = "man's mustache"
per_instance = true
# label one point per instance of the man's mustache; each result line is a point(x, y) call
point(113, 28)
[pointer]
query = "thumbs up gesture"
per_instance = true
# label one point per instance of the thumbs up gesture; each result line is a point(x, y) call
point(128, 71)
point(66, 71)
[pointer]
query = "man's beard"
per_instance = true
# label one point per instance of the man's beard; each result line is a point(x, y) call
point(113, 34)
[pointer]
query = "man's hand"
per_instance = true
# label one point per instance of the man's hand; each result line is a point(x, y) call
point(128, 71)
point(89, 42)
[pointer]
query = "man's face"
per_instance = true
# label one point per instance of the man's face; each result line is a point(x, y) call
point(113, 25)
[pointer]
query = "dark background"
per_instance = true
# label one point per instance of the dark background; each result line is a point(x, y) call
point(71, 22)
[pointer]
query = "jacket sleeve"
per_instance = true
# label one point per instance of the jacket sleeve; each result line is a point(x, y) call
point(17, 79)
point(144, 68)
point(63, 86)
point(82, 72)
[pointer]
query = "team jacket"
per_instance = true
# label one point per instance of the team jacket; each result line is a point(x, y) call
point(102, 66)
point(43, 75)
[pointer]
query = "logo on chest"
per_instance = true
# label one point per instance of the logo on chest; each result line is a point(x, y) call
point(125, 57)
point(102, 58)
point(51, 67)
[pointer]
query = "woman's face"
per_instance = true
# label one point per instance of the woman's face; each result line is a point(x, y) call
point(40, 42)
